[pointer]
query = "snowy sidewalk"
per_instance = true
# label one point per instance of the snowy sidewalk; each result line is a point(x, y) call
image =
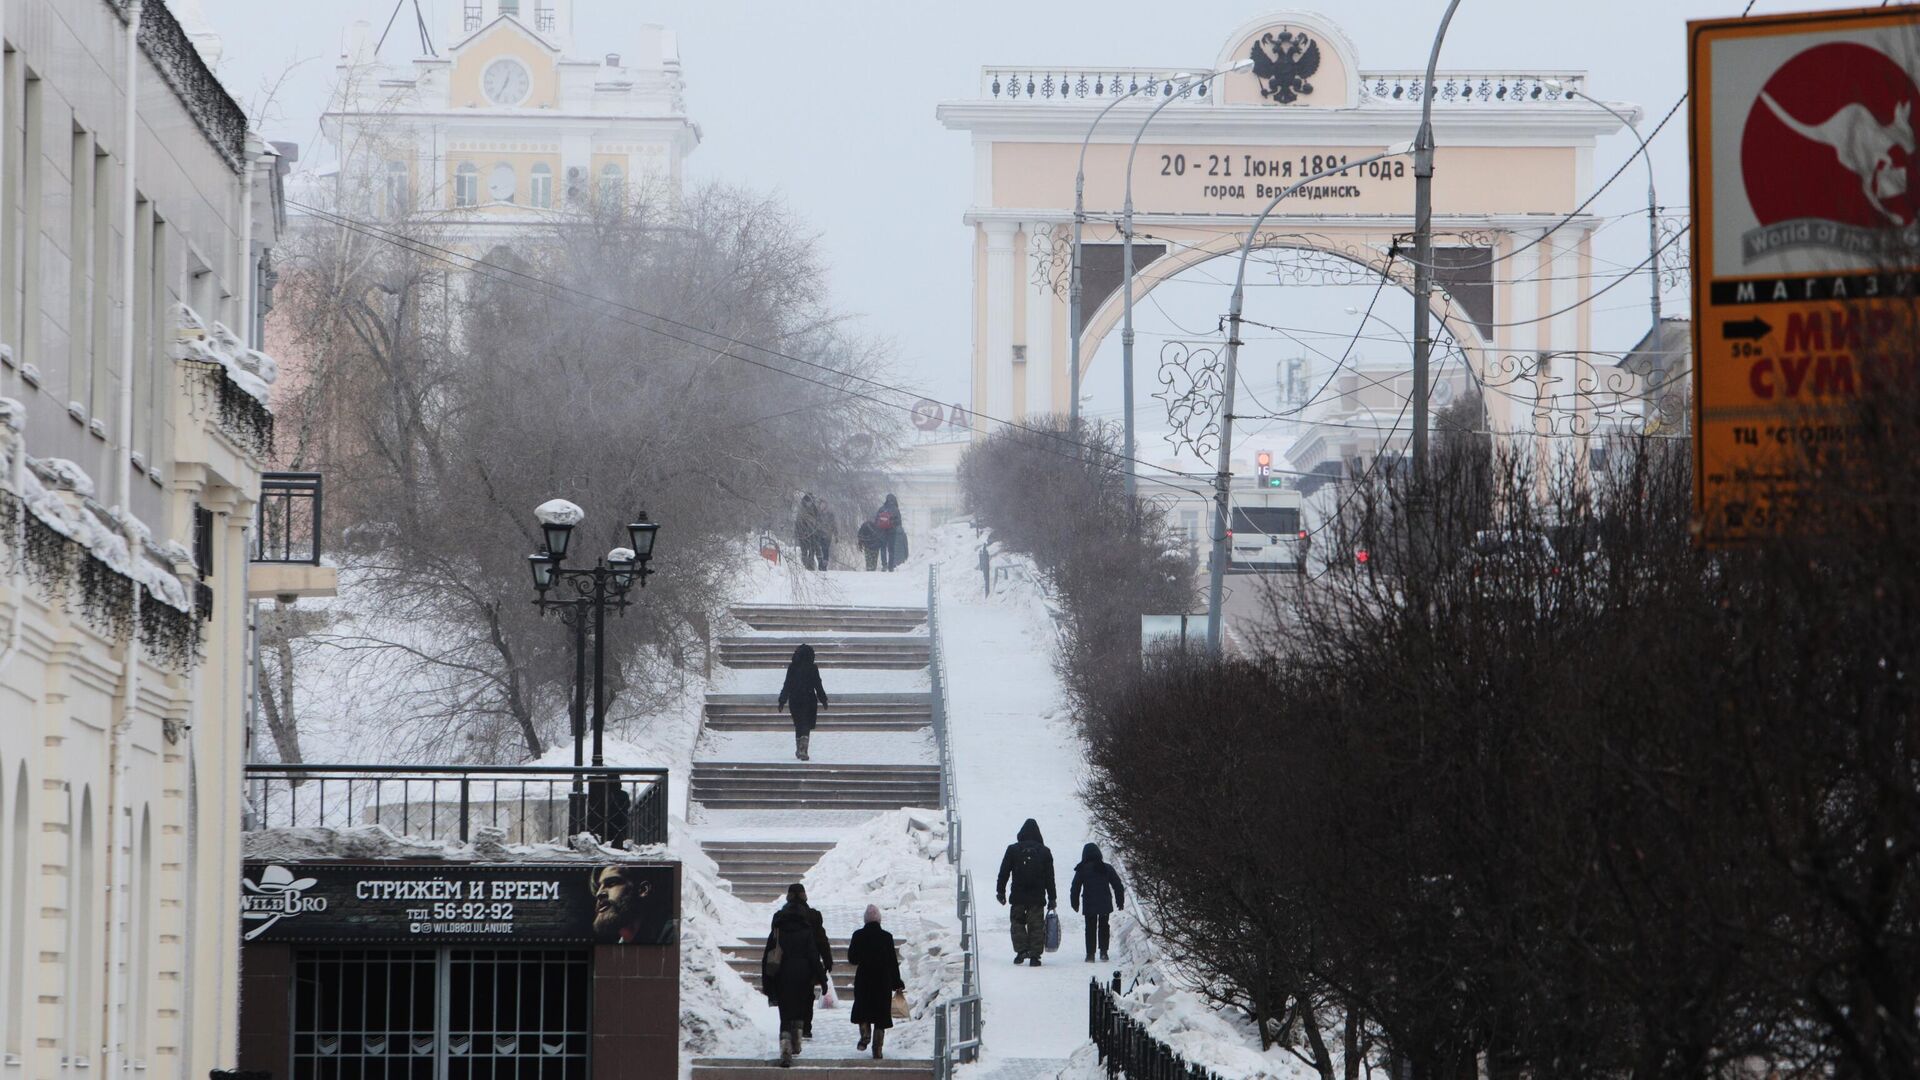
point(1017, 757)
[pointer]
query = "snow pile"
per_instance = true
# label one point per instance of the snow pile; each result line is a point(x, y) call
point(373, 843)
point(898, 861)
point(249, 369)
point(717, 1006)
point(101, 531)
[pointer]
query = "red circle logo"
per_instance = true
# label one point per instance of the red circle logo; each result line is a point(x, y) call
point(1831, 138)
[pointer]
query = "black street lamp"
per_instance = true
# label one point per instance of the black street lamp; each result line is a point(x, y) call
point(582, 594)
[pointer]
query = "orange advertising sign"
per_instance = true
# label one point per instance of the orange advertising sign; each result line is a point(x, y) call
point(1806, 240)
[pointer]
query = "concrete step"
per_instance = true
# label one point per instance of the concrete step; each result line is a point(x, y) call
point(819, 1068)
point(776, 618)
point(829, 720)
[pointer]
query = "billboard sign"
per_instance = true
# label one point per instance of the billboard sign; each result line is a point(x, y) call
point(1806, 240)
point(331, 903)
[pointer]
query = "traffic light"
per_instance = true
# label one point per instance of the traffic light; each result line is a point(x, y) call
point(1264, 463)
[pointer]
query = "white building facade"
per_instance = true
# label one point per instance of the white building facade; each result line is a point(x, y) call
point(130, 192)
point(507, 125)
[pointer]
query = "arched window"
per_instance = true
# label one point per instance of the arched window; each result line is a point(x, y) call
point(466, 184)
point(139, 997)
point(16, 973)
point(540, 186)
point(398, 198)
point(81, 954)
point(613, 186)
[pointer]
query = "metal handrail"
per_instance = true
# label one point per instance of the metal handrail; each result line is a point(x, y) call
point(1125, 1045)
point(957, 1024)
point(531, 803)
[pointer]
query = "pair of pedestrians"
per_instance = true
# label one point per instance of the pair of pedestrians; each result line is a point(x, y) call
point(799, 958)
point(1028, 868)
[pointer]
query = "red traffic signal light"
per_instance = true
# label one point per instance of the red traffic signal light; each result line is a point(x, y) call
point(1263, 459)
point(1360, 556)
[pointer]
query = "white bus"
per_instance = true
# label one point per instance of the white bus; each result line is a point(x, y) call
point(1266, 530)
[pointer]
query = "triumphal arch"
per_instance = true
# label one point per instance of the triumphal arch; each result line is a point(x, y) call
point(1514, 161)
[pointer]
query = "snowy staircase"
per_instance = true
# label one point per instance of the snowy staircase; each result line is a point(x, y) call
point(813, 1068)
point(798, 785)
point(761, 870)
point(744, 958)
point(884, 651)
point(794, 619)
point(850, 712)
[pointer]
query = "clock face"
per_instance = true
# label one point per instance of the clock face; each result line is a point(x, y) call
point(506, 82)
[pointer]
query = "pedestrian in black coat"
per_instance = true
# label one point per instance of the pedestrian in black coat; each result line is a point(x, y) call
point(1098, 886)
point(791, 968)
point(802, 696)
point(1028, 866)
point(876, 975)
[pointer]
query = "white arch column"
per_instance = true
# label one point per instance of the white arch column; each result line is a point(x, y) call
point(997, 398)
point(1039, 329)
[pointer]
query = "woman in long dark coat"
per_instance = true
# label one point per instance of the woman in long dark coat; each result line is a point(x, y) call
point(876, 975)
point(1096, 892)
point(790, 981)
point(802, 696)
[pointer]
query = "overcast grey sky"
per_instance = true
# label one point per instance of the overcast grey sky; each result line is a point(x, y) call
point(830, 104)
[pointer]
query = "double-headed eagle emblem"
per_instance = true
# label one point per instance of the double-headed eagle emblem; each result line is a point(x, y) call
point(1283, 63)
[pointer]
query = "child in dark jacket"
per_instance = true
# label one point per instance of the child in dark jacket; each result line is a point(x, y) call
point(1096, 883)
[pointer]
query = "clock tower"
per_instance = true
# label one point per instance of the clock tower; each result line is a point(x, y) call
point(503, 126)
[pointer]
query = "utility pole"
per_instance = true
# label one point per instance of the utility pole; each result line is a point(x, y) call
point(1423, 250)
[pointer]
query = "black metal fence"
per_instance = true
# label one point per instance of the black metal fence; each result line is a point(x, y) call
point(530, 804)
point(1124, 1044)
point(287, 524)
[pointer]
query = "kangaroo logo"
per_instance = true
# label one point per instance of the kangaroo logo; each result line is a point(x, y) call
point(1825, 158)
point(1863, 145)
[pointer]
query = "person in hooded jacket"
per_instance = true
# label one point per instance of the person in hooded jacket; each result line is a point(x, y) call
point(1098, 886)
point(876, 975)
point(802, 696)
point(1028, 867)
point(892, 529)
point(807, 528)
point(791, 968)
point(869, 539)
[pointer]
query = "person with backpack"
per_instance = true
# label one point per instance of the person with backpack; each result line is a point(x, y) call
point(869, 539)
point(806, 532)
point(892, 530)
point(1028, 867)
point(802, 695)
point(829, 526)
point(1099, 885)
point(876, 976)
point(791, 968)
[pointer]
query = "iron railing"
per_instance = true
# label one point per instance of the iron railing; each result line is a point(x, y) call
point(531, 804)
point(287, 522)
point(957, 1025)
point(1125, 1045)
point(1097, 85)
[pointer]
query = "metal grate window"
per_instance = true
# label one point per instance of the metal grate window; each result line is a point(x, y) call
point(440, 1014)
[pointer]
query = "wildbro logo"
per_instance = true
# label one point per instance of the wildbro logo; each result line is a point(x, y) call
point(1827, 153)
point(277, 895)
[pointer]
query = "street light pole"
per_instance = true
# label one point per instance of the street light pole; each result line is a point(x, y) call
point(1223, 475)
point(1423, 249)
point(1075, 290)
point(1653, 226)
point(607, 583)
point(1190, 83)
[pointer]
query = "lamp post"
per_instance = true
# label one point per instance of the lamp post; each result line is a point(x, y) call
point(1653, 226)
point(1189, 84)
point(1074, 291)
point(1423, 249)
point(1223, 476)
point(585, 595)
